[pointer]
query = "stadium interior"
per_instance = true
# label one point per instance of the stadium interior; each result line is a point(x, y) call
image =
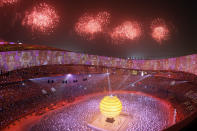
point(97, 66)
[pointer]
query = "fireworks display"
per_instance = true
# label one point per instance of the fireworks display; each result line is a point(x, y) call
point(159, 30)
point(8, 2)
point(126, 31)
point(88, 25)
point(42, 18)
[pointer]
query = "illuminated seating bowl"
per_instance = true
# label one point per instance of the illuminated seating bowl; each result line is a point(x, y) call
point(144, 96)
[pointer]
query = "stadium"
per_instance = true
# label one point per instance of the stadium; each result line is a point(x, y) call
point(45, 87)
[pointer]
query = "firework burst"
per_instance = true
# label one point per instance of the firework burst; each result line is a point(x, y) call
point(42, 18)
point(8, 2)
point(159, 30)
point(89, 25)
point(128, 30)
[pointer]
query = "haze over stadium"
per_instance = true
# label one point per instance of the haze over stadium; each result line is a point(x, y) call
point(97, 65)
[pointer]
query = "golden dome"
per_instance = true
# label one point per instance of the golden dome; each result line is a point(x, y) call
point(110, 106)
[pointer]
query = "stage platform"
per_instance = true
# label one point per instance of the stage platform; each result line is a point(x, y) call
point(120, 123)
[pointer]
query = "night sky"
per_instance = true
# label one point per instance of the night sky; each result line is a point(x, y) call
point(181, 14)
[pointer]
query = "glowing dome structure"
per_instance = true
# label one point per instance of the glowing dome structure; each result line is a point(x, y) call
point(110, 106)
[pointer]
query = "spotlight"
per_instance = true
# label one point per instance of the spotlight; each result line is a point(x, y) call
point(69, 75)
point(107, 73)
point(53, 89)
point(44, 92)
point(12, 43)
point(142, 73)
point(172, 83)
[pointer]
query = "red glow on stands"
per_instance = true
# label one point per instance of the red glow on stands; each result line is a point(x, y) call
point(160, 31)
point(42, 18)
point(88, 24)
point(126, 31)
point(8, 2)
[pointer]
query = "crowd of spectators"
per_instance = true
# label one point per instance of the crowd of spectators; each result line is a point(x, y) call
point(22, 98)
point(27, 91)
point(154, 117)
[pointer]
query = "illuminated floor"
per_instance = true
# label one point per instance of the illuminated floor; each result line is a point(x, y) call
point(148, 114)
